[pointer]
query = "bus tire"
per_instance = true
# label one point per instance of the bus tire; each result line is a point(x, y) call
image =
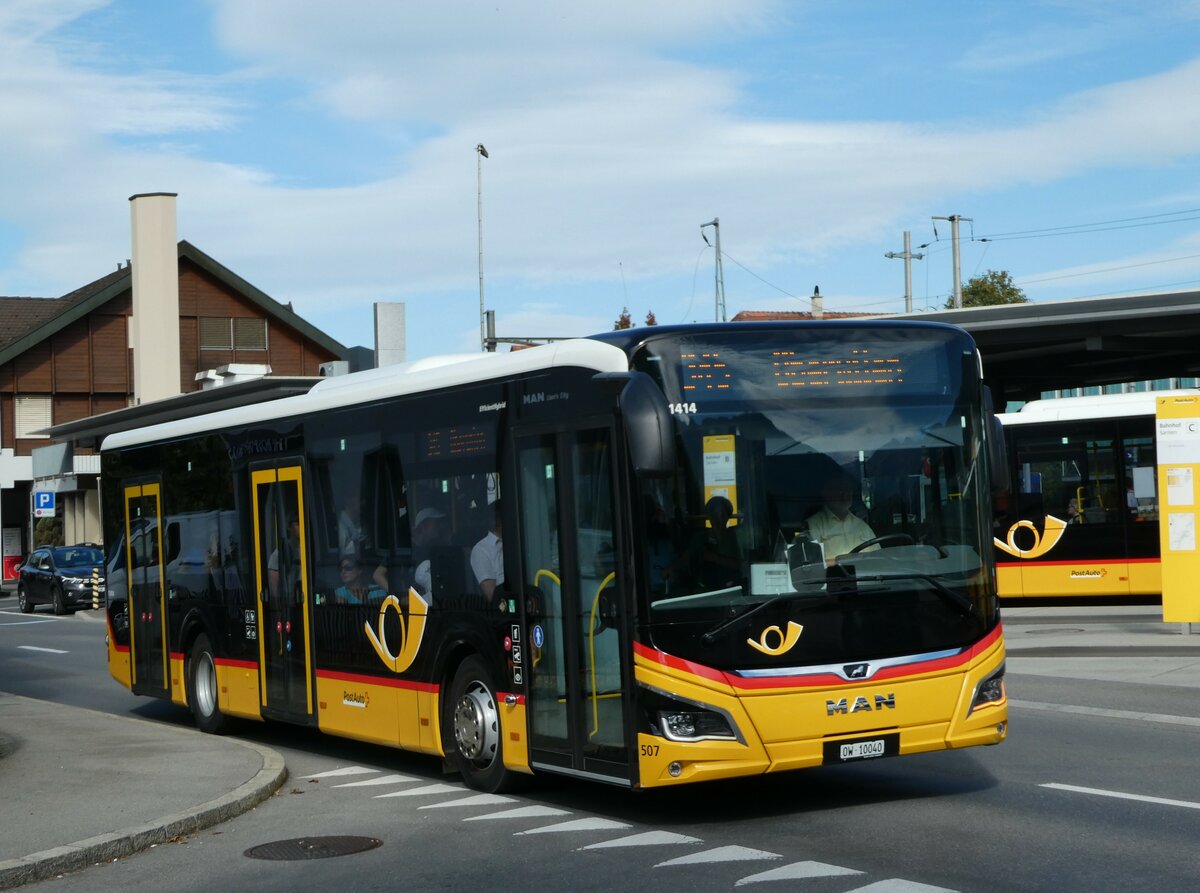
point(202, 688)
point(472, 720)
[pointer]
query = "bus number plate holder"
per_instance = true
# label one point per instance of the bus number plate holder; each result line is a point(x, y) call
point(854, 750)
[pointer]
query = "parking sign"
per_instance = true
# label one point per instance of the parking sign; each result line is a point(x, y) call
point(43, 504)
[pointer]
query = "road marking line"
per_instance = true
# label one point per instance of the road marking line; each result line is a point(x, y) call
point(477, 800)
point(47, 650)
point(647, 838)
point(521, 812)
point(382, 779)
point(7, 623)
point(425, 791)
point(335, 773)
point(1134, 715)
point(798, 871)
point(593, 824)
point(899, 885)
point(721, 854)
point(1161, 801)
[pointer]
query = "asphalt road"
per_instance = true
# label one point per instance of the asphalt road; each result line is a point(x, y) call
point(1095, 789)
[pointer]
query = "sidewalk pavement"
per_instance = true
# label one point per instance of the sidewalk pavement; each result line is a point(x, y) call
point(79, 787)
point(1114, 643)
point(115, 785)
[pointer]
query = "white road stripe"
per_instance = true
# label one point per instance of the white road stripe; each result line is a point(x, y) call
point(477, 800)
point(425, 791)
point(338, 773)
point(383, 779)
point(47, 650)
point(720, 854)
point(1133, 715)
point(1161, 801)
point(521, 812)
point(898, 885)
point(798, 871)
point(647, 838)
point(595, 824)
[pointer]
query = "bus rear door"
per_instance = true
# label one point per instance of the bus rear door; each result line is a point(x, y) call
point(147, 592)
point(576, 623)
point(281, 574)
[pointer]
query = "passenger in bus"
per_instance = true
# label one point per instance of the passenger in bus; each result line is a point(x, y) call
point(713, 557)
point(833, 525)
point(283, 573)
point(487, 556)
point(429, 531)
point(351, 537)
point(356, 588)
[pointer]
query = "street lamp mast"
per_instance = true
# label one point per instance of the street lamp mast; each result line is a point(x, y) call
point(480, 154)
point(719, 275)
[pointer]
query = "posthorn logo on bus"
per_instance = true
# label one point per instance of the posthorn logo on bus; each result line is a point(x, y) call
point(1042, 542)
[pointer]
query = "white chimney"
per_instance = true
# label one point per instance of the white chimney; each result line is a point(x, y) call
point(154, 328)
point(390, 346)
point(818, 303)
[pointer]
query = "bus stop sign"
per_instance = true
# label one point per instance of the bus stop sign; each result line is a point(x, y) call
point(43, 504)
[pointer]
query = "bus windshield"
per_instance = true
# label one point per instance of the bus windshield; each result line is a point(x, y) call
point(827, 478)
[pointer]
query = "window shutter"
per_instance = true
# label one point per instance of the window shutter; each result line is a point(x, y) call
point(215, 333)
point(32, 414)
point(249, 333)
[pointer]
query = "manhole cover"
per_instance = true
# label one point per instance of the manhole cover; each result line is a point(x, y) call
point(312, 848)
point(1050, 632)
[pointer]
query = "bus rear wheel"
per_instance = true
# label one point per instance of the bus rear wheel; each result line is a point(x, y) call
point(202, 688)
point(472, 717)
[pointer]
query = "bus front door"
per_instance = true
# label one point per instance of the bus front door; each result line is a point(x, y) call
point(576, 622)
point(147, 593)
point(281, 573)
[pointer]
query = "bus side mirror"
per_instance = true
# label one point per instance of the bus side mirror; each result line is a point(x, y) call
point(997, 449)
point(649, 430)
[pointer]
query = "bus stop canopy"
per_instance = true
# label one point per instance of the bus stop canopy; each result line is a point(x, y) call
point(1035, 347)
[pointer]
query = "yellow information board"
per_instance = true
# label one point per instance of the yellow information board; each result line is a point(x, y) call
point(720, 470)
point(1177, 444)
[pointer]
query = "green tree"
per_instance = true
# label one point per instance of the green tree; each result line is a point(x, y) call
point(992, 288)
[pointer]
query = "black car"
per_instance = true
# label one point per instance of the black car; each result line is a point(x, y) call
point(67, 577)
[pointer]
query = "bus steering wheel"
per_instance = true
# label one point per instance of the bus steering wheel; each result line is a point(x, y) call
point(899, 539)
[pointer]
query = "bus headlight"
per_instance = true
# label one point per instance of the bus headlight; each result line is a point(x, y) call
point(694, 725)
point(990, 690)
point(682, 719)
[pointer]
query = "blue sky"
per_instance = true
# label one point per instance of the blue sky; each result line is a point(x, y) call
point(325, 152)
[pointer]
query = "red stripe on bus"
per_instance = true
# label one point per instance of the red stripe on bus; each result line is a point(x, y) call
point(822, 679)
point(1082, 562)
point(505, 695)
point(236, 664)
point(409, 684)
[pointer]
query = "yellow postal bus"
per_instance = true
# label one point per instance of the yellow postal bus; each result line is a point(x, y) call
point(600, 558)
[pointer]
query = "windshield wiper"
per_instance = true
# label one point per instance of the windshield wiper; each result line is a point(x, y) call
point(960, 601)
point(711, 636)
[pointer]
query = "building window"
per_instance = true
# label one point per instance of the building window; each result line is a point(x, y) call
point(238, 333)
point(32, 414)
point(216, 333)
point(249, 333)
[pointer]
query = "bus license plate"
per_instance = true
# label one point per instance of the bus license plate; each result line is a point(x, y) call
point(862, 749)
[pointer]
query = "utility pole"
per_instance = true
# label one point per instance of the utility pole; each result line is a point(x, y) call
point(954, 219)
point(480, 154)
point(908, 258)
point(719, 276)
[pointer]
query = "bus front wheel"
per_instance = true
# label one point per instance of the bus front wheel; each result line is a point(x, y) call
point(202, 688)
point(472, 716)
